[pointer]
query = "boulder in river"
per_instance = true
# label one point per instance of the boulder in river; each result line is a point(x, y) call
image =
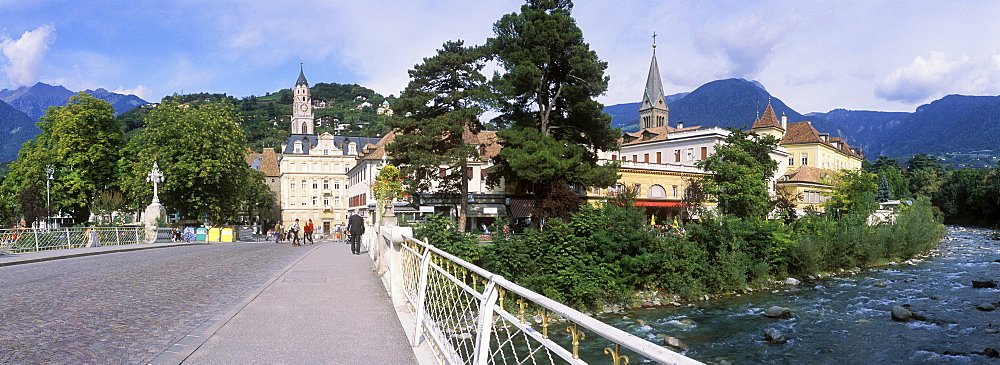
point(774, 336)
point(675, 343)
point(984, 284)
point(991, 352)
point(901, 314)
point(778, 312)
point(986, 307)
point(792, 281)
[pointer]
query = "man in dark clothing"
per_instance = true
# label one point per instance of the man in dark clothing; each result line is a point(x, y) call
point(356, 227)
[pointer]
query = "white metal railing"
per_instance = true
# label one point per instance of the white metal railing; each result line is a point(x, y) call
point(17, 240)
point(468, 315)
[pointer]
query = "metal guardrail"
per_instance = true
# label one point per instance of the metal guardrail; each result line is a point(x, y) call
point(471, 316)
point(17, 240)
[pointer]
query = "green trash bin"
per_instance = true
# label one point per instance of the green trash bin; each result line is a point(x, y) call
point(201, 234)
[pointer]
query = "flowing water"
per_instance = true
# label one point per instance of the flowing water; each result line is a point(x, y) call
point(846, 319)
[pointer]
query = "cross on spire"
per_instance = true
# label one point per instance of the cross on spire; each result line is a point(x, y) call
point(654, 40)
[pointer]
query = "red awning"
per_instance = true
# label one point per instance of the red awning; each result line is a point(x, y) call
point(658, 204)
point(521, 208)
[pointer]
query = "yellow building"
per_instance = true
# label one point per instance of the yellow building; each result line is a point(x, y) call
point(812, 156)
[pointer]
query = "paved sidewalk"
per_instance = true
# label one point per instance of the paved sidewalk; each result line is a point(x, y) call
point(327, 308)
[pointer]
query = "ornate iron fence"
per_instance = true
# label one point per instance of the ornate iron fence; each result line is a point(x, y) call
point(19, 240)
point(468, 315)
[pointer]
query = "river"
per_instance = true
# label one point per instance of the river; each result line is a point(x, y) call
point(846, 319)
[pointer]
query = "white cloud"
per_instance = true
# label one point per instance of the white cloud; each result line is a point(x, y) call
point(744, 45)
point(932, 77)
point(142, 92)
point(24, 55)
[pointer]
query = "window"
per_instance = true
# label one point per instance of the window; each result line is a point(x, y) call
point(336, 167)
point(635, 158)
point(326, 152)
point(645, 157)
point(352, 148)
point(614, 157)
point(674, 188)
point(315, 200)
point(677, 155)
point(805, 159)
point(336, 201)
point(315, 184)
point(315, 167)
point(291, 167)
point(292, 185)
point(468, 173)
point(347, 168)
point(658, 155)
point(298, 147)
point(657, 191)
point(303, 185)
point(638, 188)
point(336, 185)
point(791, 160)
point(326, 184)
point(442, 172)
point(704, 153)
point(326, 200)
point(690, 154)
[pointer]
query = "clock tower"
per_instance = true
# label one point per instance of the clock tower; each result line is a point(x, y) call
point(302, 112)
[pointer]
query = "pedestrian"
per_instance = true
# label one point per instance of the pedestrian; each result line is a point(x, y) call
point(356, 228)
point(293, 230)
point(278, 231)
point(343, 233)
point(336, 232)
point(308, 232)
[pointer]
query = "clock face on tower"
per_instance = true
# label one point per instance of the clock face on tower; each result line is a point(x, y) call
point(304, 107)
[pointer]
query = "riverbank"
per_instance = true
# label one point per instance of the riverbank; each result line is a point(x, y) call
point(846, 317)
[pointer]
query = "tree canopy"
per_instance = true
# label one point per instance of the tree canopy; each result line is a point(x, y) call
point(742, 167)
point(545, 94)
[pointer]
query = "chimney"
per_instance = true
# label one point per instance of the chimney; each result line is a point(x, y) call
point(680, 125)
point(784, 121)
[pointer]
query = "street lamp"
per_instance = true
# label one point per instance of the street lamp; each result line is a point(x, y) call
point(49, 171)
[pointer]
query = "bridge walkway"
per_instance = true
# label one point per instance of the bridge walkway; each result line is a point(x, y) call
point(328, 307)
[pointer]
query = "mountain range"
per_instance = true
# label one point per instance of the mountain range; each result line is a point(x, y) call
point(955, 123)
point(21, 108)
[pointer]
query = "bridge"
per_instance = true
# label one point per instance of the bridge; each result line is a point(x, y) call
point(406, 302)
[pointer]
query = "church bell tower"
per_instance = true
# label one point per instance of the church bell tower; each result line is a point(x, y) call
point(302, 111)
point(654, 111)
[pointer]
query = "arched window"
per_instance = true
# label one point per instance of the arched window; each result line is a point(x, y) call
point(657, 191)
point(304, 129)
point(298, 147)
point(352, 148)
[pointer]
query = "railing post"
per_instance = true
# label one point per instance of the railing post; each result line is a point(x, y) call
point(118, 236)
point(485, 326)
point(36, 240)
point(69, 241)
point(425, 264)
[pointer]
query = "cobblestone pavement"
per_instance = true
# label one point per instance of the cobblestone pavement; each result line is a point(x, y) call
point(125, 308)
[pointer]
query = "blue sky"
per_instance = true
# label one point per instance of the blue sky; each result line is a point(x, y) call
point(814, 55)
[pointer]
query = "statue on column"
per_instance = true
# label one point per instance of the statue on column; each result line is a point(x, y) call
point(154, 210)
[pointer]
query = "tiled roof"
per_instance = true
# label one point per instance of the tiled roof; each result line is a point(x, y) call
point(652, 134)
point(768, 119)
point(266, 162)
point(806, 174)
point(486, 140)
point(804, 132)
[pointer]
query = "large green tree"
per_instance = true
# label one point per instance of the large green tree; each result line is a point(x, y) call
point(551, 129)
point(82, 141)
point(742, 167)
point(854, 192)
point(443, 105)
point(200, 149)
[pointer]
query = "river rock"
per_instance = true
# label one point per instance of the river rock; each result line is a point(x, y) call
point(984, 284)
point(778, 312)
point(792, 281)
point(901, 314)
point(918, 316)
point(880, 285)
point(675, 343)
point(640, 322)
point(688, 321)
point(986, 307)
point(991, 352)
point(774, 336)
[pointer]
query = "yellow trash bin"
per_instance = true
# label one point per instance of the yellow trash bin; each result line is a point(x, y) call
point(213, 234)
point(227, 235)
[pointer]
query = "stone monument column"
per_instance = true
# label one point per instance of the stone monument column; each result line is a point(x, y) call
point(154, 210)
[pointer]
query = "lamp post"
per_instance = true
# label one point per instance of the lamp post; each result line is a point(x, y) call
point(49, 171)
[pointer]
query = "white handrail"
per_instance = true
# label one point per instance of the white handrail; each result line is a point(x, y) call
point(451, 299)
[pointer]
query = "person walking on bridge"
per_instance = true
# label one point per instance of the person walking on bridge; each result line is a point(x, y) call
point(356, 227)
point(293, 230)
point(307, 232)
